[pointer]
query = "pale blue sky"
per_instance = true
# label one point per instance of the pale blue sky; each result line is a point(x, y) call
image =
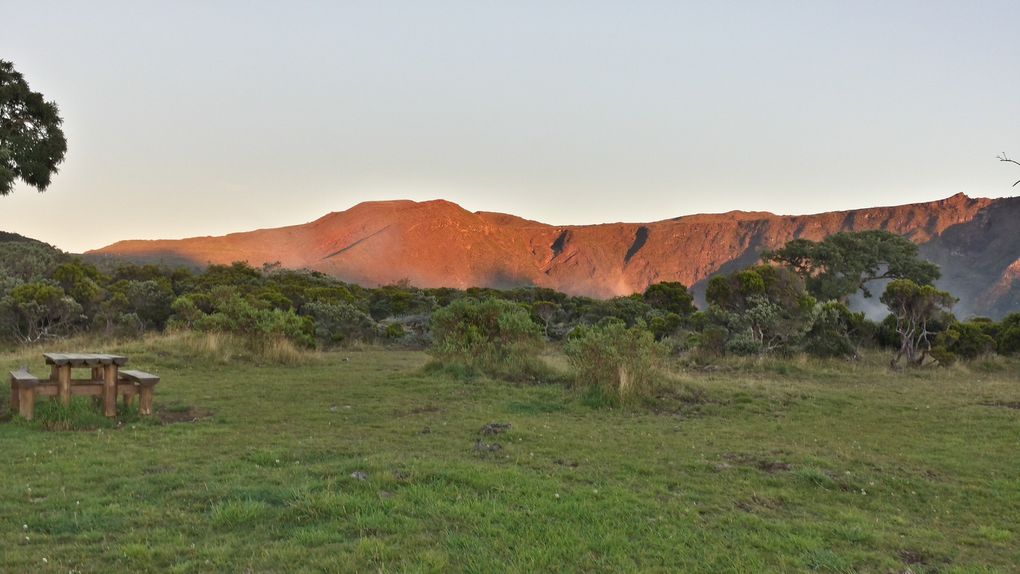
point(205, 117)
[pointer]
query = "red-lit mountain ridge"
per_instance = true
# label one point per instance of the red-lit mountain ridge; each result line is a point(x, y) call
point(438, 243)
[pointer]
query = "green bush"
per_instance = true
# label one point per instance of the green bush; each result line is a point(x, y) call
point(1008, 342)
point(340, 322)
point(490, 336)
point(260, 327)
point(836, 331)
point(614, 361)
point(966, 341)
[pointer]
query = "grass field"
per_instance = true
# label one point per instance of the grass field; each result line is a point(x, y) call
point(358, 461)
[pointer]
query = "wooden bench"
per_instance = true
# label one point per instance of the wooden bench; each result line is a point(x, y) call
point(143, 383)
point(25, 387)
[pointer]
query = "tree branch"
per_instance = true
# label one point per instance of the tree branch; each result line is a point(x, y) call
point(1006, 159)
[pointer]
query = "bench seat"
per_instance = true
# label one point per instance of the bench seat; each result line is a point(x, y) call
point(145, 383)
point(23, 384)
point(140, 377)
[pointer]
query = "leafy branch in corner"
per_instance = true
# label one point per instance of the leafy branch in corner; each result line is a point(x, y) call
point(1006, 159)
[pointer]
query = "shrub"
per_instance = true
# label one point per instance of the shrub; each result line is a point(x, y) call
point(340, 322)
point(1008, 342)
point(962, 341)
point(764, 309)
point(835, 332)
point(712, 340)
point(490, 336)
point(261, 328)
point(614, 361)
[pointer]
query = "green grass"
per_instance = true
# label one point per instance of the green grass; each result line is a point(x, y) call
point(748, 467)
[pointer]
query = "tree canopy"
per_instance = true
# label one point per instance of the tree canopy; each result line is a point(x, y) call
point(846, 262)
point(31, 141)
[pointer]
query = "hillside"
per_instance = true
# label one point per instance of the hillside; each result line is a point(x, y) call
point(438, 243)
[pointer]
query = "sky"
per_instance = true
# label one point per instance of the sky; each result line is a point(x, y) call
point(207, 117)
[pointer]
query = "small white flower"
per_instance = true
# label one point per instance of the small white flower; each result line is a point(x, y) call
point(557, 495)
point(24, 526)
point(45, 561)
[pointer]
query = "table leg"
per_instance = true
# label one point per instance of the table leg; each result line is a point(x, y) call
point(145, 393)
point(15, 398)
point(64, 384)
point(110, 390)
point(26, 404)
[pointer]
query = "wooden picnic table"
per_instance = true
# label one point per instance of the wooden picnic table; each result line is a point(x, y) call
point(104, 369)
point(107, 380)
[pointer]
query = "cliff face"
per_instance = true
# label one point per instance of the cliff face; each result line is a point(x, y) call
point(438, 243)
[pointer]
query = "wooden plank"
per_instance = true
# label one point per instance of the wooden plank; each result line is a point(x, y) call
point(89, 388)
point(47, 389)
point(84, 359)
point(140, 377)
point(23, 377)
point(55, 358)
point(108, 359)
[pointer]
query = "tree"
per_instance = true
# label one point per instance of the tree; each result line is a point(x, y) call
point(37, 311)
point(670, 296)
point(846, 262)
point(920, 311)
point(31, 141)
point(544, 311)
point(764, 308)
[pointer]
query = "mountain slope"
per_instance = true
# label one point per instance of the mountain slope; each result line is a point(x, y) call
point(438, 243)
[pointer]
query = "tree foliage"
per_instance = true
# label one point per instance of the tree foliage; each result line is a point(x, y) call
point(671, 297)
point(847, 262)
point(763, 308)
point(31, 141)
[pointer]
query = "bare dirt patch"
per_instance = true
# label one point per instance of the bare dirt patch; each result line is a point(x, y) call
point(1015, 405)
point(174, 414)
point(767, 465)
point(492, 429)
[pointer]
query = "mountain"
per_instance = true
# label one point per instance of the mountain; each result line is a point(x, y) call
point(438, 243)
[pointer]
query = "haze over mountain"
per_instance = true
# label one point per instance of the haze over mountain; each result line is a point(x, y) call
point(440, 244)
